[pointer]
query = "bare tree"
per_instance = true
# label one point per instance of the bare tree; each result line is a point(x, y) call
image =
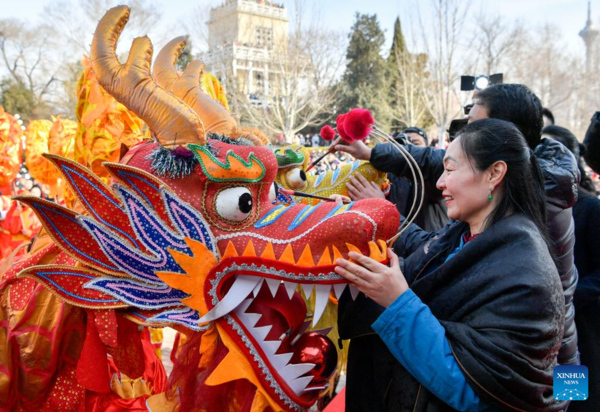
point(196, 28)
point(25, 58)
point(441, 40)
point(410, 93)
point(302, 76)
point(75, 21)
point(496, 38)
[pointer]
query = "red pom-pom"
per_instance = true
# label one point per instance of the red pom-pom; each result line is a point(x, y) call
point(339, 123)
point(358, 124)
point(327, 133)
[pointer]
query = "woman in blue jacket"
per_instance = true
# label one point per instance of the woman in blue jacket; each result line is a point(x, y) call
point(473, 319)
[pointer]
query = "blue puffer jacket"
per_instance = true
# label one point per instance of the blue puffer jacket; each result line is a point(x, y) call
point(561, 176)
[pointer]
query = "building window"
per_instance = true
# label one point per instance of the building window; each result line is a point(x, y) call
point(264, 37)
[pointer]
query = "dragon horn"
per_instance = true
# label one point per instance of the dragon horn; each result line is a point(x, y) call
point(216, 118)
point(164, 70)
point(173, 122)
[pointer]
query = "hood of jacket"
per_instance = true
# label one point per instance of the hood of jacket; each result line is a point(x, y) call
point(561, 174)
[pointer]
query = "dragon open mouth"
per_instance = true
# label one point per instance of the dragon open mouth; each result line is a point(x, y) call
point(262, 302)
point(259, 291)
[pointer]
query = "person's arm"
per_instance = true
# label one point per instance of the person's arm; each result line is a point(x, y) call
point(388, 159)
point(418, 341)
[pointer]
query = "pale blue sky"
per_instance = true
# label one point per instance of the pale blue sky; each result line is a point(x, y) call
point(569, 15)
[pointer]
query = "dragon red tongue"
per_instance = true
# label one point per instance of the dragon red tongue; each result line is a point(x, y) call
point(283, 313)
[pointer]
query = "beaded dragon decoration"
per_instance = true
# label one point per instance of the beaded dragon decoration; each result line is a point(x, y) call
point(293, 160)
point(203, 248)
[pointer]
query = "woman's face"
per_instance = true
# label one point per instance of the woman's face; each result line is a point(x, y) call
point(465, 189)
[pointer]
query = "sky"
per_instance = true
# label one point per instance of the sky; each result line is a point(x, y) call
point(569, 15)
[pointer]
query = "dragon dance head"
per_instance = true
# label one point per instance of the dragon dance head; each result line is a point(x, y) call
point(187, 234)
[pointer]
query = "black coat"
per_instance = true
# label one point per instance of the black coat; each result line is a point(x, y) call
point(500, 302)
point(586, 213)
point(561, 175)
point(587, 295)
point(592, 143)
point(433, 214)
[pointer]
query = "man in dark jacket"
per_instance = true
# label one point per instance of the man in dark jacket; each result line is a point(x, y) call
point(592, 143)
point(517, 104)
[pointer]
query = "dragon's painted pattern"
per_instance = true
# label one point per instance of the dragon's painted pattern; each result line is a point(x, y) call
point(293, 160)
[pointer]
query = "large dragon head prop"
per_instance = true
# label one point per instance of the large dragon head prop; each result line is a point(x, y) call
point(204, 248)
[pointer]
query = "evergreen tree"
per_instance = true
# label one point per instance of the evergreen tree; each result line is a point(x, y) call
point(186, 56)
point(406, 101)
point(17, 98)
point(398, 44)
point(364, 81)
point(397, 57)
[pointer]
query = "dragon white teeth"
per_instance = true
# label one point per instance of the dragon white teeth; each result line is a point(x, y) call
point(261, 332)
point(339, 289)
point(240, 289)
point(303, 328)
point(300, 384)
point(317, 388)
point(243, 307)
point(308, 289)
point(324, 331)
point(249, 319)
point(293, 371)
point(281, 360)
point(270, 347)
point(354, 292)
point(290, 288)
point(320, 302)
point(273, 285)
point(257, 287)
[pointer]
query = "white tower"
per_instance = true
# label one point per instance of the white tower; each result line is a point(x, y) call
point(589, 34)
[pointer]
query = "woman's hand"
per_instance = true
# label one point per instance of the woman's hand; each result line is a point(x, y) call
point(360, 188)
point(383, 284)
point(340, 199)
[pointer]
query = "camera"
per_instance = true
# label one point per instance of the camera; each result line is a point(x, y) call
point(402, 138)
point(456, 126)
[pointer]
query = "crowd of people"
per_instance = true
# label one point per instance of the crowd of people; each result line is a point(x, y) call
point(474, 312)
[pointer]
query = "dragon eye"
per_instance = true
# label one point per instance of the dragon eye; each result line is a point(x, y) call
point(234, 203)
point(273, 191)
point(296, 178)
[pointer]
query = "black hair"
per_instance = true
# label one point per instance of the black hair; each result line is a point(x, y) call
point(546, 112)
point(487, 141)
point(567, 138)
point(517, 104)
point(419, 131)
point(36, 186)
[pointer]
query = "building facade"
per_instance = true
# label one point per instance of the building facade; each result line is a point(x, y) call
point(243, 38)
